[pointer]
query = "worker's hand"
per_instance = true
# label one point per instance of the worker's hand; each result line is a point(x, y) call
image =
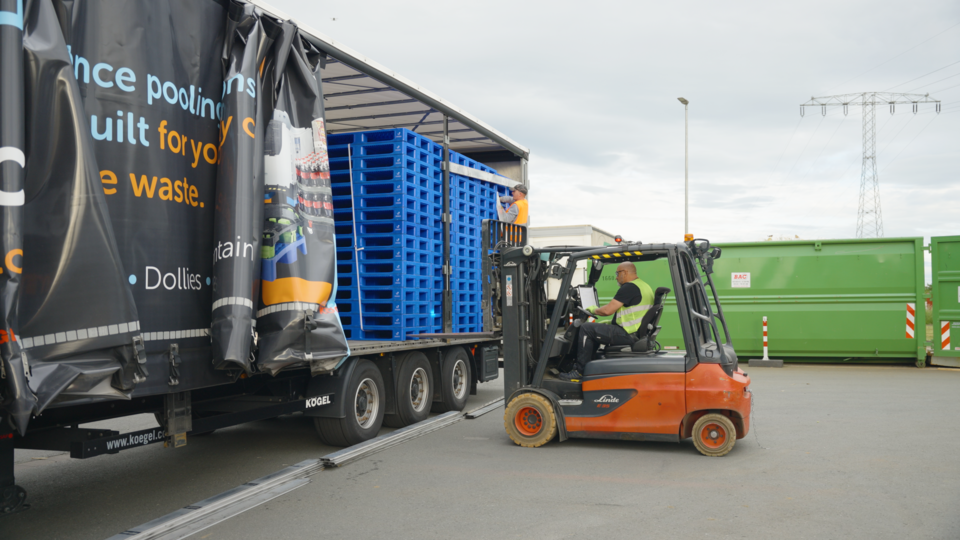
point(592, 310)
point(506, 199)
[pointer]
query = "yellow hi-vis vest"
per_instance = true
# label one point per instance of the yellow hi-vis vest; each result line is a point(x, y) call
point(629, 318)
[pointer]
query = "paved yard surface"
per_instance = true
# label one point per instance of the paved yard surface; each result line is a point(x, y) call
point(847, 452)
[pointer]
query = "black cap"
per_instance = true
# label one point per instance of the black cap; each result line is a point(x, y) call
point(521, 188)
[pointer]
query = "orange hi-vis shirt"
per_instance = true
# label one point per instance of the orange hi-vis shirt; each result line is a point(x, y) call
point(523, 211)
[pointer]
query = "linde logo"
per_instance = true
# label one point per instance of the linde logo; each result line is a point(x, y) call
point(607, 399)
point(318, 401)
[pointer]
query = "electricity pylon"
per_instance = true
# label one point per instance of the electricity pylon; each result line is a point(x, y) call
point(869, 218)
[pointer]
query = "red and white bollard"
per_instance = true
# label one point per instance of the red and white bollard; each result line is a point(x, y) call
point(945, 335)
point(766, 361)
point(765, 357)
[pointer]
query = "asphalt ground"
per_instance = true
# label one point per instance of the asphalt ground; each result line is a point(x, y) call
point(834, 452)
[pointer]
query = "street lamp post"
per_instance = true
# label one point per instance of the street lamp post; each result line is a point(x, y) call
point(686, 171)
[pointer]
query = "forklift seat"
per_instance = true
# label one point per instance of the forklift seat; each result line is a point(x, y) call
point(625, 363)
point(646, 336)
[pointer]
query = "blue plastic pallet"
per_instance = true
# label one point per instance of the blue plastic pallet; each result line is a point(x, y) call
point(412, 184)
point(430, 155)
point(346, 218)
point(417, 162)
point(391, 333)
point(393, 135)
point(381, 163)
point(346, 241)
point(405, 269)
point(427, 180)
point(396, 227)
point(419, 296)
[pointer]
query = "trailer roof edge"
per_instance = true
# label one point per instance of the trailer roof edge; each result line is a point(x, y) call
point(387, 76)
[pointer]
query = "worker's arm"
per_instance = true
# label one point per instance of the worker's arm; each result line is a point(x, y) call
point(606, 310)
point(507, 199)
point(511, 215)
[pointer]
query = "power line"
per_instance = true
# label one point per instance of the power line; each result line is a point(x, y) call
point(788, 144)
point(898, 133)
point(805, 147)
point(922, 76)
point(909, 143)
point(828, 143)
point(895, 57)
point(934, 82)
point(947, 88)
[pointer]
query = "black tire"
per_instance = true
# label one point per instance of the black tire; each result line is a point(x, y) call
point(414, 391)
point(530, 420)
point(714, 435)
point(456, 374)
point(364, 402)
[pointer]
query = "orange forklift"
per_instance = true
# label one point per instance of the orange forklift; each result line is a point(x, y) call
point(637, 392)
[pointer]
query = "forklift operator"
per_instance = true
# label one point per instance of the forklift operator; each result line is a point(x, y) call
point(629, 305)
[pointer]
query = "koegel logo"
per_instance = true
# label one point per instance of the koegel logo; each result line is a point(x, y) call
point(319, 401)
point(607, 399)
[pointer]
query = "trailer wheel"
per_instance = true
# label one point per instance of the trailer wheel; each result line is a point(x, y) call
point(455, 378)
point(530, 420)
point(364, 407)
point(714, 435)
point(414, 391)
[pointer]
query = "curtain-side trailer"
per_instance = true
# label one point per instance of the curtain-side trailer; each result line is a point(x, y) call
point(126, 161)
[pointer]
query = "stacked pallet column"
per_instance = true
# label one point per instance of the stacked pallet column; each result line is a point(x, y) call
point(389, 233)
point(472, 201)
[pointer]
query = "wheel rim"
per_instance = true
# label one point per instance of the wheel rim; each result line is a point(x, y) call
point(713, 435)
point(528, 421)
point(419, 386)
point(459, 379)
point(367, 403)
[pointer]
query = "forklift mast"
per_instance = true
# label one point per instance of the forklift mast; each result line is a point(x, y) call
point(529, 329)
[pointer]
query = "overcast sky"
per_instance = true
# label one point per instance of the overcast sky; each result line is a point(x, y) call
point(591, 88)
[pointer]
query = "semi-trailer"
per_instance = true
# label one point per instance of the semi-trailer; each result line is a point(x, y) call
point(138, 141)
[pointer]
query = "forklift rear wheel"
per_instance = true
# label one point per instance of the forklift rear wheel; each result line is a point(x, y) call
point(714, 435)
point(414, 391)
point(455, 380)
point(364, 409)
point(530, 420)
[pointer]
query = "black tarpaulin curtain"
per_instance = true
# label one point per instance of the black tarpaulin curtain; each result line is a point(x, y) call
point(152, 254)
point(295, 323)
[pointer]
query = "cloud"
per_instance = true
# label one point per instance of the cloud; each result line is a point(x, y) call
point(591, 89)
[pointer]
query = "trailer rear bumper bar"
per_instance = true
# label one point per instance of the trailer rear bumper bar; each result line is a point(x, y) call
point(85, 443)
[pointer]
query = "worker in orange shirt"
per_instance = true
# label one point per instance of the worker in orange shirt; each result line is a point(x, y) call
point(519, 211)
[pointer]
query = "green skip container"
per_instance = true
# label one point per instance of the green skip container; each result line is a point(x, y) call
point(945, 292)
point(853, 300)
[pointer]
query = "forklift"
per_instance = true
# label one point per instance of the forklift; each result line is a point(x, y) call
point(638, 392)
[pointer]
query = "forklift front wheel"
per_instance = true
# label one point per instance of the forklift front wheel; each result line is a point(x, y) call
point(714, 435)
point(530, 421)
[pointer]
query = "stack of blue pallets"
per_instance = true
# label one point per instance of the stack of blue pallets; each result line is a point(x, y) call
point(471, 202)
point(390, 235)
